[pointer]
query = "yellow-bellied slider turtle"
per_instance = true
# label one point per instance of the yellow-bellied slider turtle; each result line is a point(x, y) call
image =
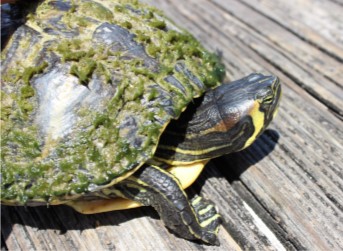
point(107, 105)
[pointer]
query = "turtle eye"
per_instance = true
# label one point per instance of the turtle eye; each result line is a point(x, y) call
point(265, 96)
point(268, 99)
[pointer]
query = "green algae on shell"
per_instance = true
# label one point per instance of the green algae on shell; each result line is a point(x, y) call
point(61, 139)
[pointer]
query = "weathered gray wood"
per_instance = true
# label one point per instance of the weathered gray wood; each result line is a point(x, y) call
point(301, 51)
point(283, 193)
point(315, 25)
point(61, 228)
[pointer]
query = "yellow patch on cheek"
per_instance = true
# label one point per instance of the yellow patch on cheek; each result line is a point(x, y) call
point(258, 121)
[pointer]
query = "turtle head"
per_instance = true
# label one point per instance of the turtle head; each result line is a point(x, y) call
point(247, 106)
point(225, 119)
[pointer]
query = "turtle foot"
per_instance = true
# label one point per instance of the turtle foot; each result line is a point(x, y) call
point(208, 217)
point(194, 220)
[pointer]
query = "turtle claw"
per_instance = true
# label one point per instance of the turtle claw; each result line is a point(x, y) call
point(209, 219)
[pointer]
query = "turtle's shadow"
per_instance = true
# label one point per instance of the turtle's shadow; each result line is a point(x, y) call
point(62, 218)
point(232, 166)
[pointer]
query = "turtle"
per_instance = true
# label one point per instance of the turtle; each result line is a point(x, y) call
point(108, 105)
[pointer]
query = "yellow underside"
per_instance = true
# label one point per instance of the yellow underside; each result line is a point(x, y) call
point(186, 174)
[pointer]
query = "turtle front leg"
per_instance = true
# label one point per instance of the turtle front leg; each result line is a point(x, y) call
point(153, 186)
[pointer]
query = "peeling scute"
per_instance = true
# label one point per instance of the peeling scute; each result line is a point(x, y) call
point(119, 39)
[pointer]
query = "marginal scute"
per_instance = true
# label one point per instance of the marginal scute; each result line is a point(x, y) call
point(85, 98)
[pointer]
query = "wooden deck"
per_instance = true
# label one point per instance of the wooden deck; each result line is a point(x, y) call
point(283, 193)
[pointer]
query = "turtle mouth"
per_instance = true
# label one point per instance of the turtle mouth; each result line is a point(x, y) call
point(276, 87)
point(278, 90)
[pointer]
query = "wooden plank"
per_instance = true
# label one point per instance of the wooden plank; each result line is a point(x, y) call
point(340, 2)
point(283, 193)
point(297, 48)
point(320, 25)
point(61, 228)
point(240, 220)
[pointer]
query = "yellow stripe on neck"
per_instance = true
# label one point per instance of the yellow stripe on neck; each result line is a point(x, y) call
point(258, 121)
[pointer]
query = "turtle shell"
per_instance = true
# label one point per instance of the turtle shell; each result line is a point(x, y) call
point(87, 89)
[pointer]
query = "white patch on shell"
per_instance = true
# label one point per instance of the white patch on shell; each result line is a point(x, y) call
point(107, 29)
point(61, 97)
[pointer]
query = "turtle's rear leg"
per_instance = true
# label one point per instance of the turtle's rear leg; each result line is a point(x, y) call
point(156, 187)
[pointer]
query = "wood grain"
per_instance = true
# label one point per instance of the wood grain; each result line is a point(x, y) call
point(283, 193)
